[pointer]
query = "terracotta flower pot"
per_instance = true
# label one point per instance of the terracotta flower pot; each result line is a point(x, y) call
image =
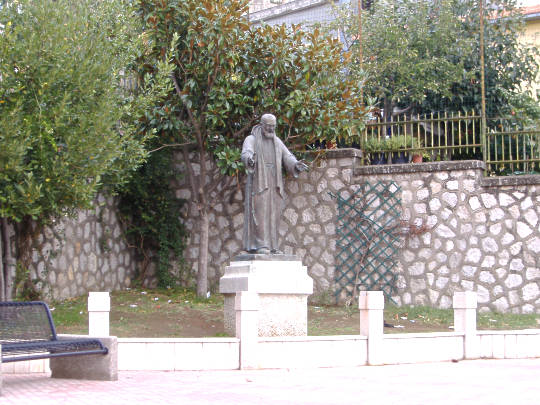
point(417, 158)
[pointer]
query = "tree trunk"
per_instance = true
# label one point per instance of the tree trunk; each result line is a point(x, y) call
point(8, 261)
point(202, 273)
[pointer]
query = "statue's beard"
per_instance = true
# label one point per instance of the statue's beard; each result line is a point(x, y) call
point(269, 134)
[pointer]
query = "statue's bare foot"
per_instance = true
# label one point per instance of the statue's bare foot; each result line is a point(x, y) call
point(276, 252)
point(263, 251)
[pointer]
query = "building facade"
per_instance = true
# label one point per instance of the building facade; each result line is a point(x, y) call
point(531, 36)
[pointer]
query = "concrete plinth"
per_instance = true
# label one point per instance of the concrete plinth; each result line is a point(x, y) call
point(88, 367)
point(282, 284)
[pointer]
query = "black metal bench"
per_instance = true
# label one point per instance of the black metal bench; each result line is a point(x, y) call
point(27, 332)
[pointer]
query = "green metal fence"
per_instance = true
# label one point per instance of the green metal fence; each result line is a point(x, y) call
point(455, 136)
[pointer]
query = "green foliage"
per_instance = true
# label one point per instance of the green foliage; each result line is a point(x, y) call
point(67, 126)
point(228, 74)
point(426, 54)
point(26, 288)
point(407, 47)
point(374, 144)
point(509, 65)
point(151, 214)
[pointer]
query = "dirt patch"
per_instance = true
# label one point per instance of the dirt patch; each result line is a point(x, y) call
point(150, 314)
point(182, 322)
point(179, 313)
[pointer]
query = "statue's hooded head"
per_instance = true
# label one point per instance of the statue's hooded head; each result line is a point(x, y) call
point(268, 124)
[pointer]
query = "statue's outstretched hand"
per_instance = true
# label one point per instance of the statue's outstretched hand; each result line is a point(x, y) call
point(301, 166)
point(251, 161)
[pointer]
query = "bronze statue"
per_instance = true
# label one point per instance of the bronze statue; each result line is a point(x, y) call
point(264, 155)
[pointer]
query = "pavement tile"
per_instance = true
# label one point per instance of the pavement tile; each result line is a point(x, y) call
point(476, 382)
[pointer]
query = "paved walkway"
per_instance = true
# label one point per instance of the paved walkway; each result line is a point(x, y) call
point(478, 382)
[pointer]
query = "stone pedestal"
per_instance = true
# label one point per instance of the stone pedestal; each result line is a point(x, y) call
point(283, 285)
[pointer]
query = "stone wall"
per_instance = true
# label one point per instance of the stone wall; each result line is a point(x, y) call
point(483, 234)
point(307, 229)
point(86, 253)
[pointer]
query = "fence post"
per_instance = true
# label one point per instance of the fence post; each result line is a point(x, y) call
point(371, 305)
point(246, 305)
point(465, 304)
point(99, 306)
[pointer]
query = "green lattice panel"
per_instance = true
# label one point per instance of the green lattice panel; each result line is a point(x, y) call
point(367, 240)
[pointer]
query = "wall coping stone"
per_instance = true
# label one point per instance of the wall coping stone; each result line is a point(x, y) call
point(427, 335)
point(341, 153)
point(509, 332)
point(179, 340)
point(328, 338)
point(420, 167)
point(248, 257)
point(522, 180)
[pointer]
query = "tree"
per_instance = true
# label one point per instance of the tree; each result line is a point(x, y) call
point(227, 74)
point(426, 54)
point(509, 64)
point(149, 210)
point(67, 123)
point(408, 48)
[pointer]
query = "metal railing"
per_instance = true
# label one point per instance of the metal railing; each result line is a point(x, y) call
point(457, 136)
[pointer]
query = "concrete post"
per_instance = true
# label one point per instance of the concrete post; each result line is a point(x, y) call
point(246, 306)
point(371, 305)
point(465, 304)
point(99, 306)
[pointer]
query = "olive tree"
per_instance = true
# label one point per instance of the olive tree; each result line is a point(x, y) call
point(67, 124)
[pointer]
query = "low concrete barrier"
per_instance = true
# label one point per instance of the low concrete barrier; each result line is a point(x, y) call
point(178, 354)
point(372, 346)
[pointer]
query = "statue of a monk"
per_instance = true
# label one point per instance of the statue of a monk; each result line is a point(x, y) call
point(264, 155)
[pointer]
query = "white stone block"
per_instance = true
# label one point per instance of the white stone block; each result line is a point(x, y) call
point(162, 356)
point(246, 306)
point(315, 351)
point(498, 347)
point(510, 347)
point(99, 306)
point(189, 356)
point(266, 276)
point(132, 356)
point(220, 356)
point(371, 305)
point(465, 300)
point(525, 346)
point(486, 346)
point(283, 287)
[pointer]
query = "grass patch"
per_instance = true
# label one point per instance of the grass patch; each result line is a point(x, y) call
point(495, 320)
point(179, 312)
point(71, 313)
